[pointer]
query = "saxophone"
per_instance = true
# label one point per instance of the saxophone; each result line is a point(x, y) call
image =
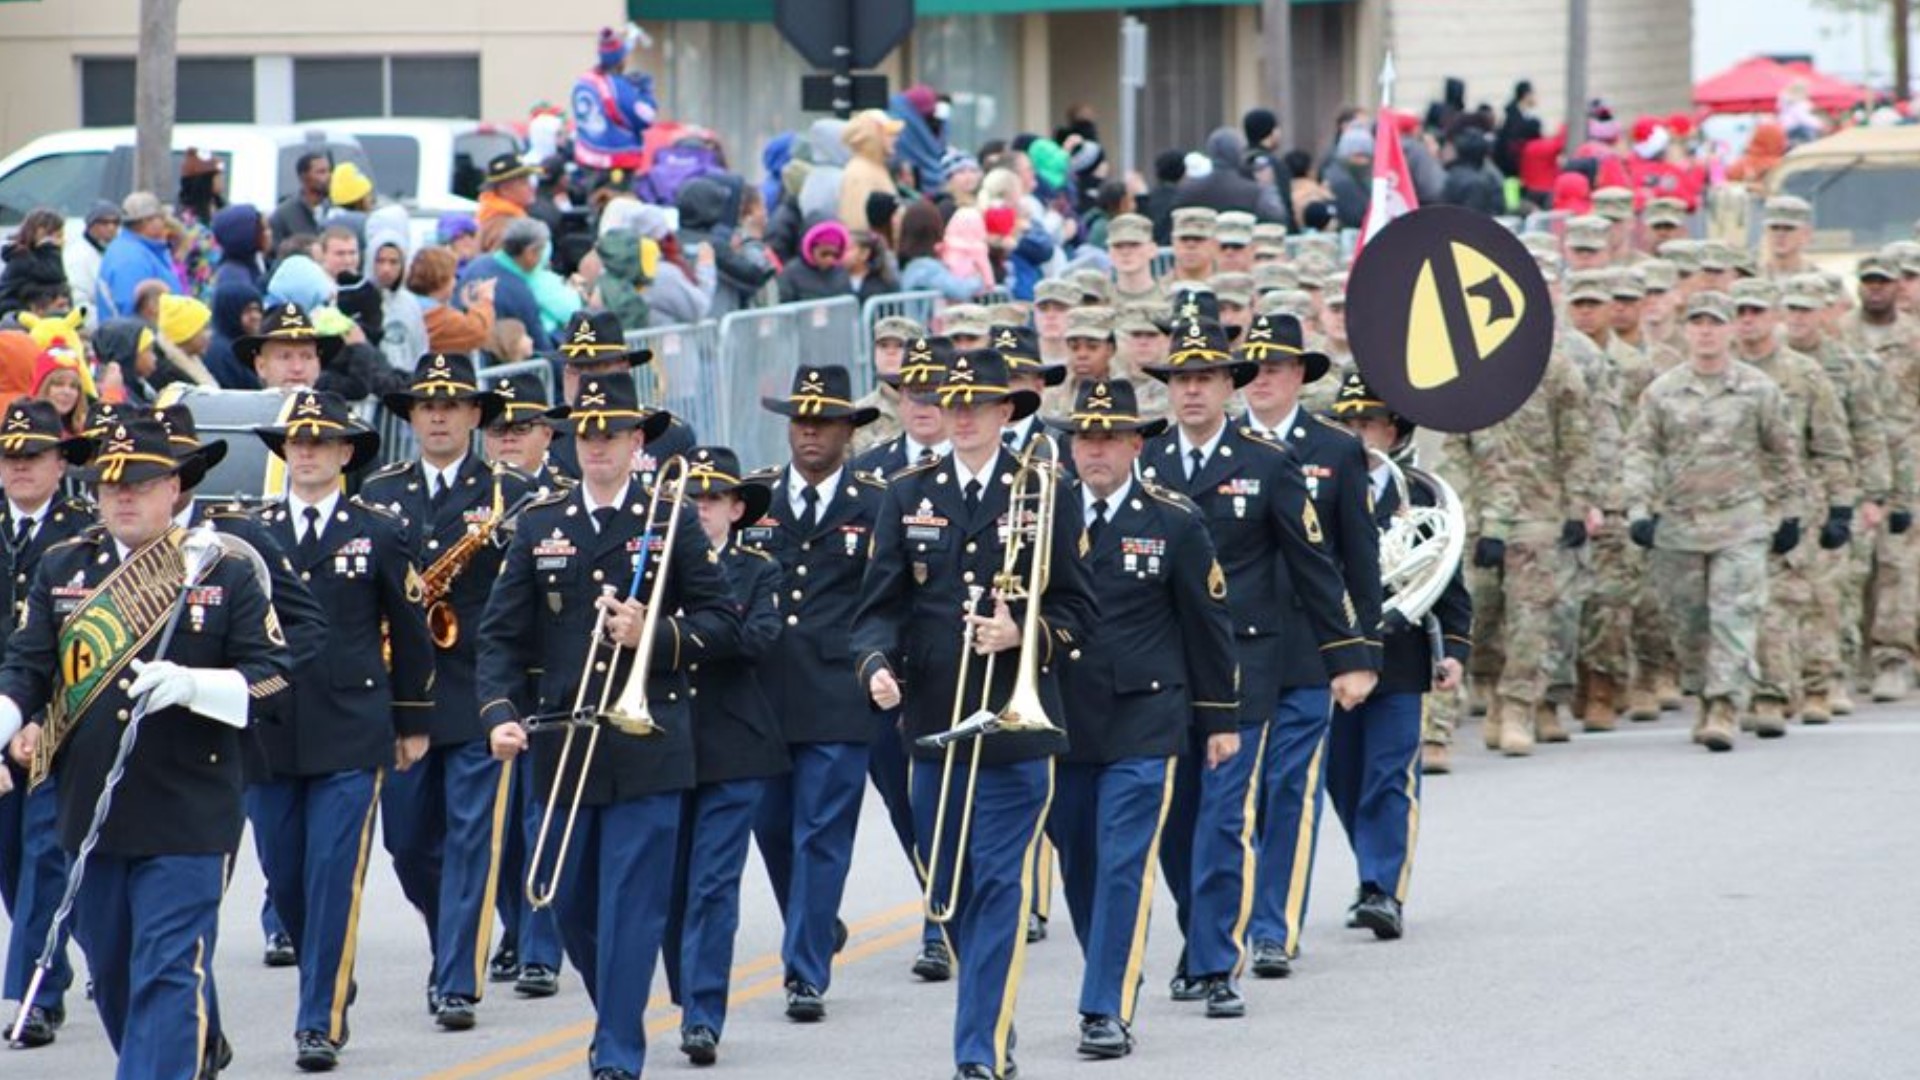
point(437, 580)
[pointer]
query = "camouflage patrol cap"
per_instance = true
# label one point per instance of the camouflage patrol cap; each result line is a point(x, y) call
point(1683, 254)
point(1056, 291)
point(1540, 241)
point(1010, 313)
point(1195, 221)
point(1613, 203)
point(1090, 322)
point(1270, 236)
point(1666, 211)
point(1628, 284)
point(1744, 262)
point(1805, 292)
point(1095, 286)
point(1789, 211)
point(1835, 282)
point(1904, 254)
point(967, 320)
point(1234, 288)
point(1314, 264)
point(1589, 232)
point(1658, 275)
point(1590, 285)
point(1133, 319)
point(1130, 229)
point(1714, 255)
point(1712, 304)
point(1333, 291)
point(1550, 264)
point(1268, 276)
point(1285, 302)
point(1755, 292)
point(1235, 228)
point(897, 328)
point(1876, 267)
point(1324, 245)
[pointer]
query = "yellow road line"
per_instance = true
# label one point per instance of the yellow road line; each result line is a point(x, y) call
point(540, 1044)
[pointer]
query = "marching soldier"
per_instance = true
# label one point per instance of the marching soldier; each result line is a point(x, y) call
point(737, 750)
point(1712, 480)
point(1789, 223)
point(443, 817)
point(939, 530)
point(1293, 622)
point(520, 436)
point(327, 759)
point(149, 901)
point(1160, 674)
point(1131, 248)
point(891, 336)
point(1054, 301)
point(820, 530)
point(1333, 463)
point(1020, 347)
point(34, 454)
point(967, 326)
point(593, 346)
point(1194, 248)
point(571, 562)
point(1373, 752)
point(923, 426)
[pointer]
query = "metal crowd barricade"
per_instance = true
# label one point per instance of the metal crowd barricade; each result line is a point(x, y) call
point(994, 296)
point(759, 350)
point(1162, 262)
point(918, 306)
point(684, 375)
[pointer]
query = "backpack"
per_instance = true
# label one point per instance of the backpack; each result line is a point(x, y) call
point(673, 166)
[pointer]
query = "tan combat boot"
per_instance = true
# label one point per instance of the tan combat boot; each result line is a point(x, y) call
point(1516, 730)
point(1582, 687)
point(1436, 758)
point(1817, 709)
point(1546, 723)
point(1479, 697)
point(1643, 700)
point(1666, 687)
point(1892, 681)
point(1769, 719)
point(1717, 733)
point(1490, 725)
point(1840, 698)
point(1601, 714)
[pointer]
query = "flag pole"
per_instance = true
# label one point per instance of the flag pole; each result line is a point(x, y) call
point(1387, 77)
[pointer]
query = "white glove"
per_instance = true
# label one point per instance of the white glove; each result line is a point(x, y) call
point(219, 694)
point(10, 719)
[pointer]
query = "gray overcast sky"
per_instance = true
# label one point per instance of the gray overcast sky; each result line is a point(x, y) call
point(1726, 32)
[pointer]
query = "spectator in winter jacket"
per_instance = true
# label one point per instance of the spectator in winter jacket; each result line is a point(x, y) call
point(140, 253)
point(787, 224)
point(82, 260)
point(818, 274)
point(302, 211)
point(871, 136)
point(1225, 188)
point(828, 153)
point(1169, 170)
point(236, 314)
point(297, 279)
point(242, 235)
point(1350, 175)
point(709, 216)
point(966, 249)
point(522, 247)
point(34, 260)
point(1539, 165)
point(403, 327)
point(61, 379)
point(1262, 162)
point(922, 255)
point(920, 146)
point(1520, 126)
point(678, 291)
point(450, 329)
point(1471, 181)
point(871, 270)
point(186, 329)
point(623, 279)
point(611, 110)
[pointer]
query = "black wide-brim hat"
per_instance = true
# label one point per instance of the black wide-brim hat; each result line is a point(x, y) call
point(1278, 338)
point(286, 322)
point(596, 337)
point(183, 437)
point(504, 167)
point(444, 377)
point(1199, 346)
point(822, 392)
point(1021, 346)
point(1106, 406)
point(136, 451)
point(715, 470)
point(924, 365)
point(316, 415)
point(1357, 401)
point(979, 377)
point(524, 401)
point(32, 426)
point(613, 404)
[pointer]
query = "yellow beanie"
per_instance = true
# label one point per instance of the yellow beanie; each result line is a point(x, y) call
point(350, 185)
point(181, 317)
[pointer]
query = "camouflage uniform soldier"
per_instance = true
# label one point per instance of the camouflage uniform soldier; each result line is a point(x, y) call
point(1666, 219)
point(1833, 626)
point(1615, 204)
point(1656, 676)
point(1318, 395)
point(1711, 474)
point(1789, 223)
point(890, 337)
point(1659, 330)
point(1788, 630)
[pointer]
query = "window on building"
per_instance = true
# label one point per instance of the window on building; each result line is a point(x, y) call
point(446, 86)
point(209, 90)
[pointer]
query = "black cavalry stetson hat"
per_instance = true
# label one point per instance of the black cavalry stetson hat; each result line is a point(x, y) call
point(286, 322)
point(979, 377)
point(924, 365)
point(1357, 401)
point(612, 403)
point(1273, 339)
point(1201, 345)
point(1021, 346)
point(32, 426)
point(715, 470)
point(444, 377)
point(822, 392)
point(136, 450)
point(523, 400)
point(317, 414)
point(1106, 405)
point(596, 337)
point(183, 435)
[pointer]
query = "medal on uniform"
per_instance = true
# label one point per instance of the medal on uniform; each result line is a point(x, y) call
point(1239, 506)
point(920, 573)
point(359, 564)
point(197, 616)
point(553, 602)
point(340, 565)
point(1130, 562)
point(1153, 564)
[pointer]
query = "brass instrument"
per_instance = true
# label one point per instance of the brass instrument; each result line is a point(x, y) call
point(1421, 548)
point(630, 713)
point(437, 580)
point(1030, 523)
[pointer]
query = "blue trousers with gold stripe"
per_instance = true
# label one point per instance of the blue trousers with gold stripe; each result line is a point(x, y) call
point(1291, 792)
point(33, 874)
point(887, 764)
point(806, 826)
point(531, 931)
point(147, 924)
point(615, 892)
point(1106, 823)
point(443, 821)
point(1207, 851)
point(989, 926)
point(315, 836)
point(716, 823)
point(1373, 780)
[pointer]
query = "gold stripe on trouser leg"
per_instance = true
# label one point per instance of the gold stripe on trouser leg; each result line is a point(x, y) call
point(1413, 821)
point(200, 1018)
point(1137, 945)
point(1015, 968)
point(1043, 883)
point(920, 867)
point(1249, 853)
point(483, 945)
point(1303, 849)
point(343, 975)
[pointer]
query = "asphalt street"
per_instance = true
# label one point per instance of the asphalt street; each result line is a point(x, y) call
point(1624, 906)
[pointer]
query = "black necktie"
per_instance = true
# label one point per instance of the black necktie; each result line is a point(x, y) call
point(603, 517)
point(22, 533)
point(441, 485)
point(809, 517)
point(973, 496)
point(1007, 436)
point(1195, 458)
point(308, 548)
point(926, 454)
point(1099, 523)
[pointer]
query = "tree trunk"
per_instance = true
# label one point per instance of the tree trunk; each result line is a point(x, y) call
point(1276, 67)
point(1902, 55)
point(153, 106)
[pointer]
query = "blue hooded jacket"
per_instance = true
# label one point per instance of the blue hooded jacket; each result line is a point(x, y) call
point(230, 300)
point(237, 229)
point(918, 146)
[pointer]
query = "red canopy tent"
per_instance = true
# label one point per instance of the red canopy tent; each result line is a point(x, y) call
point(1754, 86)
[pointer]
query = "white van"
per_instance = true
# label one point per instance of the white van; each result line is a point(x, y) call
point(426, 164)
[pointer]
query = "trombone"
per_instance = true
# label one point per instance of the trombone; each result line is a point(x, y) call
point(1030, 516)
point(630, 714)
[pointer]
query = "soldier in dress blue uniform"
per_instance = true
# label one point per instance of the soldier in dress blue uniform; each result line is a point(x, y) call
point(1020, 345)
point(314, 813)
point(940, 529)
point(34, 454)
point(924, 438)
point(819, 527)
point(150, 899)
point(570, 549)
point(1334, 465)
point(529, 952)
point(593, 346)
point(737, 750)
point(1290, 614)
point(443, 818)
point(1159, 675)
point(1373, 752)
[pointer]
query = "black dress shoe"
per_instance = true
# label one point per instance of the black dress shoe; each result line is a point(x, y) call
point(1270, 960)
point(804, 1004)
point(537, 981)
point(314, 1052)
point(433, 1001)
point(1223, 999)
point(1036, 928)
point(700, 1044)
point(1185, 987)
point(505, 965)
point(456, 1012)
point(39, 1028)
point(935, 962)
point(839, 936)
point(1353, 912)
point(216, 1057)
point(611, 1073)
point(1104, 1037)
point(1380, 913)
point(280, 952)
point(975, 1072)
